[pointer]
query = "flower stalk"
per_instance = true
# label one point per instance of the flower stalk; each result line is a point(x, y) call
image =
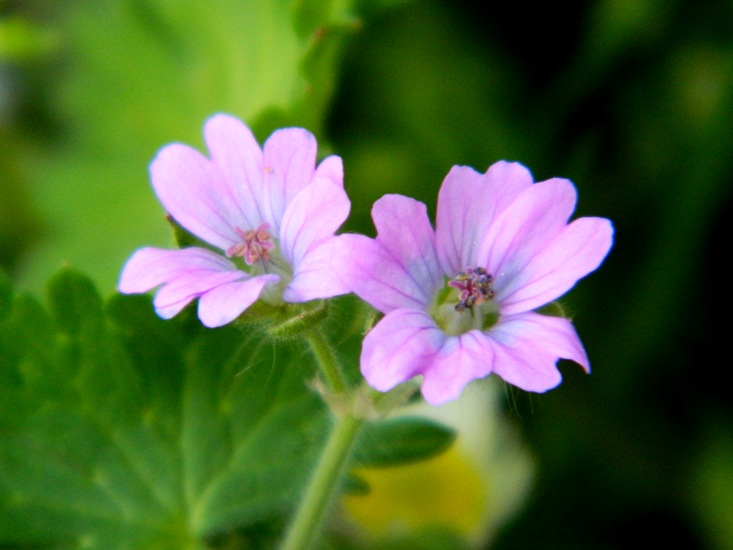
point(328, 365)
point(306, 523)
point(305, 526)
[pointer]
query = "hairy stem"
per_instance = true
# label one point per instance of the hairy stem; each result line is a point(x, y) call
point(316, 501)
point(320, 491)
point(328, 365)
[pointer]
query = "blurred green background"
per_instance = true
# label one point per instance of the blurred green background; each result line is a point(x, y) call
point(630, 99)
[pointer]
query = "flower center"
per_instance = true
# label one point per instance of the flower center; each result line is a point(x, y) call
point(255, 245)
point(466, 303)
point(258, 250)
point(474, 285)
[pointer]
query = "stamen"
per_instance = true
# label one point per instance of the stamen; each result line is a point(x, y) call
point(475, 287)
point(255, 245)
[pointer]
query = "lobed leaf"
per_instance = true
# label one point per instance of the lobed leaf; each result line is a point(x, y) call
point(120, 430)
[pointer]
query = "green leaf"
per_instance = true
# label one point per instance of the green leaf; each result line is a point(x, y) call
point(121, 430)
point(5, 294)
point(402, 440)
point(355, 485)
point(74, 301)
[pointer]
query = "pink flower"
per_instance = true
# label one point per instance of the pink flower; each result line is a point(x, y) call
point(269, 215)
point(459, 301)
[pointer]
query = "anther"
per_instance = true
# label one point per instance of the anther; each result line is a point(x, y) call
point(474, 285)
point(255, 245)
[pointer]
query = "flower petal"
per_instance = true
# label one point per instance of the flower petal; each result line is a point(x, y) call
point(461, 359)
point(574, 253)
point(178, 292)
point(290, 159)
point(399, 268)
point(226, 302)
point(238, 160)
point(528, 225)
point(399, 347)
point(527, 347)
point(211, 198)
point(332, 168)
point(375, 276)
point(313, 215)
point(150, 267)
point(318, 275)
point(404, 230)
point(188, 186)
point(468, 203)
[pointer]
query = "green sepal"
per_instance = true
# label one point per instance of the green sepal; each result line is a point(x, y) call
point(371, 319)
point(402, 440)
point(182, 237)
point(292, 320)
point(374, 405)
point(259, 313)
point(553, 309)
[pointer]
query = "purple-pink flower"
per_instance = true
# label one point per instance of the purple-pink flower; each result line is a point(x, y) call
point(269, 215)
point(459, 300)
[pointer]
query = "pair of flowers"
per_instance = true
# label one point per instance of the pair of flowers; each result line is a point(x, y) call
point(458, 300)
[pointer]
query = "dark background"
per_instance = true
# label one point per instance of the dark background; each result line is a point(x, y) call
point(633, 102)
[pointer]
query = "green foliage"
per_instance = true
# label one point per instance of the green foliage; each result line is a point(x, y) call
point(402, 440)
point(630, 100)
point(710, 492)
point(21, 40)
point(120, 430)
point(19, 223)
point(5, 295)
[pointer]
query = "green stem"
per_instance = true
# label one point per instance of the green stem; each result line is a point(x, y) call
point(327, 363)
point(305, 526)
